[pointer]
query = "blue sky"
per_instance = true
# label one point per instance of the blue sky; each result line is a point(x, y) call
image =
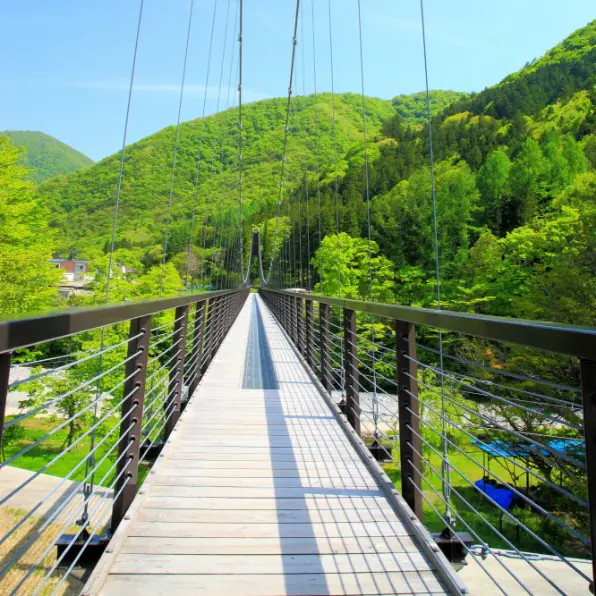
point(65, 64)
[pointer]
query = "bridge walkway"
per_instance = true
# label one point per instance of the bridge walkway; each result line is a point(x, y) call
point(261, 491)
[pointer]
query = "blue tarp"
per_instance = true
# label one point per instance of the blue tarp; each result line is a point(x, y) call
point(501, 496)
point(572, 447)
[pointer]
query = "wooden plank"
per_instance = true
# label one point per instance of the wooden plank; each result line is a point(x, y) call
point(234, 516)
point(151, 564)
point(210, 455)
point(229, 492)
point(275, 483)
point(265, 464)
point(262, 449)
point(192, 472)
point(327, 434)
point(268, 546)
point(232, 420)
point(330, 530)
point(310, 502)
point(295, 443)
point(346, 584)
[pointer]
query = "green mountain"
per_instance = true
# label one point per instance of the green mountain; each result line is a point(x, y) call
point(512, 162)
point(413, 108)
point(83, 201)
point(46, 156)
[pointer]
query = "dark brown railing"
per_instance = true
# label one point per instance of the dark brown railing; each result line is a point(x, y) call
point(90, 418)
point(422, 398)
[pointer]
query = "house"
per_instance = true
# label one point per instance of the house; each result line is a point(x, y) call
point(122, 268)
point(73, 269)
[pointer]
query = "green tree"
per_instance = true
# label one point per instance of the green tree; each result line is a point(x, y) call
point(493, 183)
point(28, 280)
point(574, 154)
point(528, 176)
point(344, 268)
point(558, 170)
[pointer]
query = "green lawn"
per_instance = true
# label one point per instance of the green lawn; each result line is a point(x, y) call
point(536, 522)
point(39, 456)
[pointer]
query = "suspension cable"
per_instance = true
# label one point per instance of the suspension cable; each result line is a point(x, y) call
point(285, 143)
point(200, 148)
point(240, 168)
point(446, 480)
point(174, 158)
point(375, 400)
point(308, 275)
point(219, 138)
point(212, 164)
point(317, 169)
point(88, 487)
point(336, 183)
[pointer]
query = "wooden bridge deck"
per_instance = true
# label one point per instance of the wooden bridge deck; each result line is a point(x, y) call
point(261, 491)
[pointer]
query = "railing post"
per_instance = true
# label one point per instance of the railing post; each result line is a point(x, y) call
point(285, 310)
point(5, 361)
point(410, 445)
point(588, 385)
point(197, 346)
point(131, 423)
point(221, 318)
point(299, 316)
point(213, 328)
point(208, 330)
point(310, 356)
point(325, 347)
point(351, 370)
point(172, 404)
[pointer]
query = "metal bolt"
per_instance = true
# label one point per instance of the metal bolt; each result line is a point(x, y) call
point(109, 550)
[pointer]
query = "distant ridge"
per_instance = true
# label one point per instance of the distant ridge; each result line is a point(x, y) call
point(46, 156)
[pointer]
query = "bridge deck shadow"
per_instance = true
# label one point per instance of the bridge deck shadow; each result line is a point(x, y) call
point(261, 492)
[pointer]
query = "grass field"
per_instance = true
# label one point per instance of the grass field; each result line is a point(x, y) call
point(26, 563)
point(49, 450)
point(71, 465)
point(465, 469)
point(434, 507)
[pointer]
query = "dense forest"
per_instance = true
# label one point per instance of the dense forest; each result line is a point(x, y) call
point(514, 178)
point(46, 156)
point(514, 172)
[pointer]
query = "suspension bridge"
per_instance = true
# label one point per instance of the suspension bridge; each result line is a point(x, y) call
point(264, 439)
point(286, 441)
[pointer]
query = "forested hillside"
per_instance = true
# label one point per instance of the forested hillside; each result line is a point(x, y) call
point(516, 196)
point(46, 156)
point(82, 202)
point(515, 186)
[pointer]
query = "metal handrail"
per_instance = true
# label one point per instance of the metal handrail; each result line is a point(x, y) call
point(28, 330)
point(572, 340)
point(135, 439)
point(412, 413)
